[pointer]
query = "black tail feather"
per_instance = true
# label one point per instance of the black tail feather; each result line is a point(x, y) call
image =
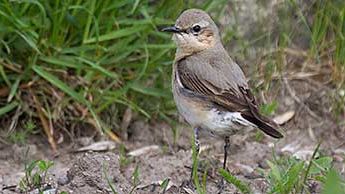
point(265, 124)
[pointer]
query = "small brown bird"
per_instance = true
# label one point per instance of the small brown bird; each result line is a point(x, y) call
point(209, 88)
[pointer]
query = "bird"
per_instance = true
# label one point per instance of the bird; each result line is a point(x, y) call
point(209, 88)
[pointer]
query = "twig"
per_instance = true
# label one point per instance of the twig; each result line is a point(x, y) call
point(5, 91)
point(45, 124)
point(14, 119)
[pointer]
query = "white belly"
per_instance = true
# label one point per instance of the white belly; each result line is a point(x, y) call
point(217, 122)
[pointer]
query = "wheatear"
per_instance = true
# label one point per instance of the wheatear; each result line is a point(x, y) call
point(209, 88)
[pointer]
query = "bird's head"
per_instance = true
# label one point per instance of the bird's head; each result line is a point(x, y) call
point(194, 31)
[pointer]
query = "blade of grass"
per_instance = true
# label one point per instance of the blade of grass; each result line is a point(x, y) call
point(89, 20)
point(309, 166)
point(164, 185)
point(60, 84)
point(116, 34)
point(14, 89)
point(275, 172)
point(45, 124)
point(8, 107)
point(293, 176)
point(132, 105)
point(135, 5)
point(99, 68)
point(204, 179)
point(29, 40)
point(146, 62)
point(149, 91)
point(105, 170)
point(333, 184)
point(62, 61)
point(243, 187)
point(195, 176)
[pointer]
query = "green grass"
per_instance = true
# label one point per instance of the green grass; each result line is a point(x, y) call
point(46, 40)
point(109, 181)
point(290, 175)
point(316, 28)
point(100, 57)
point(72, 63)
point(240, 185)
point(200, 186)
point(35, 175)
point(20, 136)
point(88, 56)
point(287, 175)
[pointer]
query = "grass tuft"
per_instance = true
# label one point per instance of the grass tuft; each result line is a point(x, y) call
point(290, 175)
point(82, 58)
point(240, 185)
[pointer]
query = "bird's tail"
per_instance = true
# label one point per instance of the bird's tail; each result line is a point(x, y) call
point(265, 124)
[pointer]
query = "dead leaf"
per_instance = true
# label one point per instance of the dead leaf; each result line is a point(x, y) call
point(46, 125)
point(113, 136)
point(144, 150)
point(126, 120)
point(98, 146)
point(285, 117)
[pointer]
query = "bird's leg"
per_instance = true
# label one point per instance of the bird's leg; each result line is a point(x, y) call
point(197, 149)
point(196, 140)
point(226, 148)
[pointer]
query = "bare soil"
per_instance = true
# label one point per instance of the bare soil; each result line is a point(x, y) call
point(91, 172)
point(308, 96)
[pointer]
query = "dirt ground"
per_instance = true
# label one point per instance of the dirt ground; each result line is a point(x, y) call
point(150, 148)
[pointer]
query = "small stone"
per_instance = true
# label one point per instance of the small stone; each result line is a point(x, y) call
point(50, 191)
point(63, 180)
point(338, 158)
point(85, 141)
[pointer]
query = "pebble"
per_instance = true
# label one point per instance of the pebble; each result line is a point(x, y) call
point(63, 180)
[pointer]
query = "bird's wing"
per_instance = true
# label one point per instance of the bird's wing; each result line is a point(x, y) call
point(232, 95)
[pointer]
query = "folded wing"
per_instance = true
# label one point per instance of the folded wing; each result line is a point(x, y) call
point(233, 97)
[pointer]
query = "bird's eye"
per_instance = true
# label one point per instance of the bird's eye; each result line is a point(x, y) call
point(196, 28)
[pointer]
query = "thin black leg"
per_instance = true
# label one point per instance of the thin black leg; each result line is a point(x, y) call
point(196, 140)
point(226, 148)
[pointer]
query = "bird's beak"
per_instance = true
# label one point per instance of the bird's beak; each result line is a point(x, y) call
point(172, 29)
